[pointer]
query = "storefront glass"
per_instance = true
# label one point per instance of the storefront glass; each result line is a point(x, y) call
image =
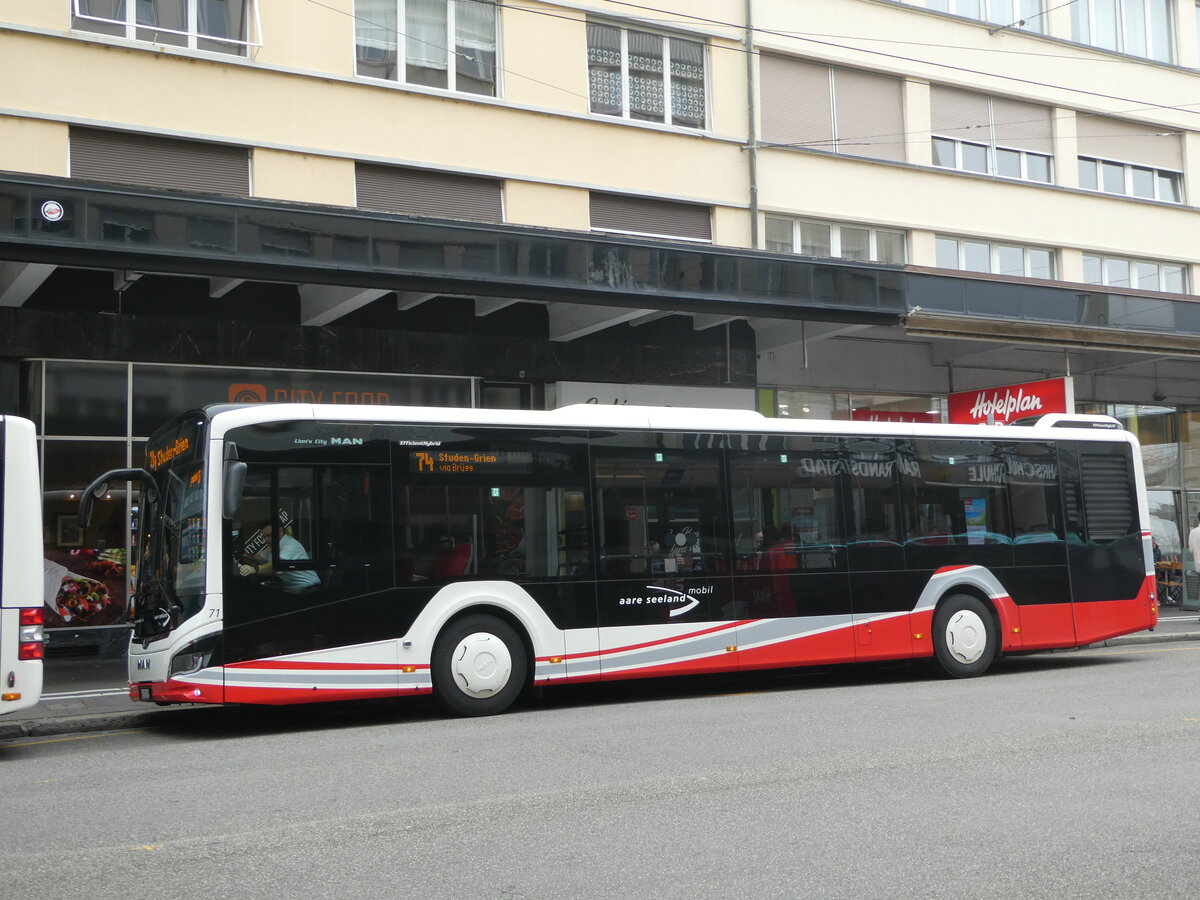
point(844, 405)
point(95, 416)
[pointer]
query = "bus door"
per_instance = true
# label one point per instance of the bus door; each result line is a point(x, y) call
point(665, 599)
point(789, 551)
point(309, 569)
point(883, 589)
point(1105, 553)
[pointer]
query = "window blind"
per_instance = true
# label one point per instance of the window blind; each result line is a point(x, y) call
point(1131, 142)
point(418, 192)
point(869, 114)
point(797, 107)
point(642, 215)
point(98, 155)
point(960, 115)
point(1023, 126)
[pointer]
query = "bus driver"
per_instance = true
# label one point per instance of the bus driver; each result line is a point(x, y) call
point(291, 580)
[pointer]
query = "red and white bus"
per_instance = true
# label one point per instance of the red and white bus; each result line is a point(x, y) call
point(298, 553)
point(21, 574)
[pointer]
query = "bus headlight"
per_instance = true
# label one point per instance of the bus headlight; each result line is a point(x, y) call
point(193, 657)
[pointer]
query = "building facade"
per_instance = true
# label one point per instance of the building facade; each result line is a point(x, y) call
point(847, 208)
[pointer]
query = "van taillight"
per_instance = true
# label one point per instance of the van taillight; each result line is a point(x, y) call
point(31, 636)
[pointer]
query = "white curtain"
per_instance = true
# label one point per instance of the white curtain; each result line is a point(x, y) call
point(425, 29)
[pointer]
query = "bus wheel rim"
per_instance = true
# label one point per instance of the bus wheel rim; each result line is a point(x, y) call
point(481, 665)
point(966, 636)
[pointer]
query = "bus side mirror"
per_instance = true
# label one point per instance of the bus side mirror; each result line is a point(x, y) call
point(235, 482)
point(98, 488)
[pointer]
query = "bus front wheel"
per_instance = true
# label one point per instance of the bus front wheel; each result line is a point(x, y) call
point(479, 666)
point(964, 636)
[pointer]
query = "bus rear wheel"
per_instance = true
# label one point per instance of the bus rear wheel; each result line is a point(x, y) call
point(479, 666)
point(964, 636)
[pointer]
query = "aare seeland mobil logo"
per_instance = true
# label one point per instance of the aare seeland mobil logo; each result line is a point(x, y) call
point(680, 601)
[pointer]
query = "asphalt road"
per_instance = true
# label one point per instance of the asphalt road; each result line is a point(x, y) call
point(1061, 775)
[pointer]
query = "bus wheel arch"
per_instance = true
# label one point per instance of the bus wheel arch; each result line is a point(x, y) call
point(481, 661)
point(966, 633)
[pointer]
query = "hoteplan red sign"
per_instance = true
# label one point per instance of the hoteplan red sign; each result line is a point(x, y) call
point(1002, 405)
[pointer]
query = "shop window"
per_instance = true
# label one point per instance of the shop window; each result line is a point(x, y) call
point(858, 407)
point(86, 569)
point(85, 399)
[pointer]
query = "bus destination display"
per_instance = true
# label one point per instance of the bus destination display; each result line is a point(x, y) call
point(469, 462)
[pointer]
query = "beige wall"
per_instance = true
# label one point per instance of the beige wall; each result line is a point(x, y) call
point(302, 177)
point(549, 206)
point(33, 146)
point(297, 102)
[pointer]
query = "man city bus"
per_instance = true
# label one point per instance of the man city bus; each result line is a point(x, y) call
point(295, 553)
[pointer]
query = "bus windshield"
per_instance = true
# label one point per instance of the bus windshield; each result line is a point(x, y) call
point(171, 571)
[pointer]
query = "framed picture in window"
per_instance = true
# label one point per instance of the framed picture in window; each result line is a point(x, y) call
point(69, 532)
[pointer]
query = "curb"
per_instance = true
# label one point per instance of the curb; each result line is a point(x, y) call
point(116, 721)
point(1149, 637)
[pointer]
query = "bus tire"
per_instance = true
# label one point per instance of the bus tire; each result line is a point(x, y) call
point(479, 666)
point(964, 636)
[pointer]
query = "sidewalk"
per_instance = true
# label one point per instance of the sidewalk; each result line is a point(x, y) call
point(91, 695)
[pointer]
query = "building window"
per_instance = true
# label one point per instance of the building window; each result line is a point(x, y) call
point(995, 136)
point(990, 160)
point(1132, 181)
point(995, 258)
point(645, 76)
point(835, 240)
point(221, 26)
point(1024, 14)
point(1139, 274)
point(448, 44)
point(1137, 27)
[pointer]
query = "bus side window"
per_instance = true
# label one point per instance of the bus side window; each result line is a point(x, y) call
point(874, 511)
point(788, 510)
point(660, 513)
point(1036, 506)
point(353, 534)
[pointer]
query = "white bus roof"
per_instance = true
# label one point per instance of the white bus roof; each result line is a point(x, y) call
point(662, 418)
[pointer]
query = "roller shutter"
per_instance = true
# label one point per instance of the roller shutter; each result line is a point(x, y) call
point(116, 156)
point(641, 215)
point(419, 192)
